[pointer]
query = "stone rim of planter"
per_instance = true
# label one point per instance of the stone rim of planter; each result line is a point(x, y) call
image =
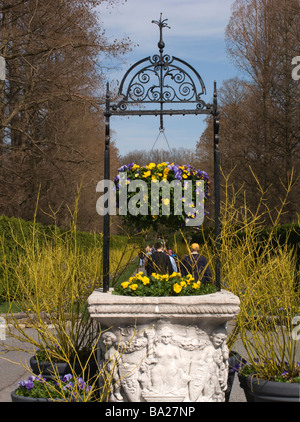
point(222, 306)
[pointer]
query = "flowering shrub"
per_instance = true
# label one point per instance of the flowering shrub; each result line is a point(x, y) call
point(163, 172)
point(163, 285)
point(39, 387)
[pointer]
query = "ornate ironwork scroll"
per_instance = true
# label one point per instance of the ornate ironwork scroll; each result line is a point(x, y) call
point(161, 79)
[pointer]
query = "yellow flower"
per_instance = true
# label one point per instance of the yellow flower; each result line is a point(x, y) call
point(166, 201)
point(151, 166)
point(183, 283)
point(174, 275)
point(133, 286)
point(145, 280)
point(177, 288)
point(184, 176)
point(196, 286)
point(125, 284)
point(135, 166)
point(147, 173)
point(154, 178)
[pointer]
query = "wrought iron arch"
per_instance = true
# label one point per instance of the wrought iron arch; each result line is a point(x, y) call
point(162, 80)
point(168, 82)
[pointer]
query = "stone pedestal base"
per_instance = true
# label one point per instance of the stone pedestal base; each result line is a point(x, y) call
point(168, 349)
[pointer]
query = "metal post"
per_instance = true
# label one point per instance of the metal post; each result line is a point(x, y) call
point(217, 187)
point(106, 218)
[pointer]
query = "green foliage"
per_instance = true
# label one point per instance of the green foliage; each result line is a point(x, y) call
point(162, 285)
point(24, 244)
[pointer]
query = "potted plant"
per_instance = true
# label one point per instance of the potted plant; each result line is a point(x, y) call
point(260, 267)
point(254, 379)
point(164, 335)
point(156, 207)
point(38, 389)
point(164, 348)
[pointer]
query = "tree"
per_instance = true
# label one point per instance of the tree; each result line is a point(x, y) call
point(260, 114)
point(51, 133)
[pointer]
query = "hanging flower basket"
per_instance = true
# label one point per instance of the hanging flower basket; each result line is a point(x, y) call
point(168, 194)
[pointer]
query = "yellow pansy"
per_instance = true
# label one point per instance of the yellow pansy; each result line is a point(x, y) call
point(196, 286)
point(154, 178)
point(145, 280)
point(151, 166)
point(177, 288)
point(184, 176)
point(135, 166)
point(133, 286)
point(161, 166)
point(125, 284)
point(147, 173)
point(183, 283)
point(166, 201)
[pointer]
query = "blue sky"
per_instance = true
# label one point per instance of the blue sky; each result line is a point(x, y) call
point(196, 35)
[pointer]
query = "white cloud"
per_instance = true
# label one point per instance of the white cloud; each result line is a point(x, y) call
point(187, 19)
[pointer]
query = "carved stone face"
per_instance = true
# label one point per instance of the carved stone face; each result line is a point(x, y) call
point(166, 338)
point(217, 339)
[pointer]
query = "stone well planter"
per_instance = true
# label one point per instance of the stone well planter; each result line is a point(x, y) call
point(167, 349)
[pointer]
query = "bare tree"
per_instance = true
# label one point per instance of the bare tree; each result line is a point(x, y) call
point(51, 123)
point(260, 114)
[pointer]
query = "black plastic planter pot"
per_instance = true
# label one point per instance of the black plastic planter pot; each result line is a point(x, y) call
point(15, 398)
point(48, 369)
point(270, 391)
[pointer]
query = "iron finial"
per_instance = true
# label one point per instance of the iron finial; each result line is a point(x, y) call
point(161, 24)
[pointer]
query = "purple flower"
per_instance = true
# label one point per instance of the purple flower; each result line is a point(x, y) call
point(29, 385)
point(67, 378)
point(178, 175)
point(22, 383)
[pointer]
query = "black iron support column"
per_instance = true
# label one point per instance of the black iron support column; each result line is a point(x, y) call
point(217, 187)
point(106, 218)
